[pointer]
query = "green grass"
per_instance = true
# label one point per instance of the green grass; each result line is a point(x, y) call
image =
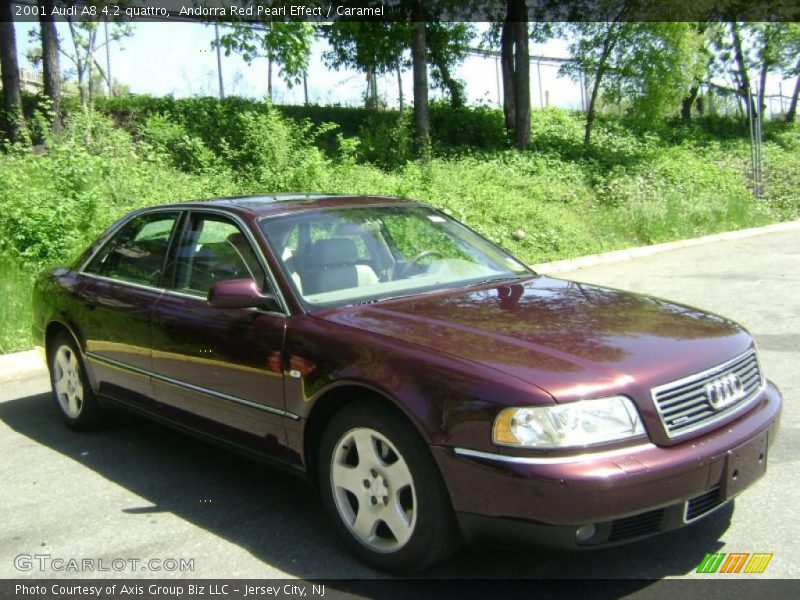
point(15, 308)
point(633, 188)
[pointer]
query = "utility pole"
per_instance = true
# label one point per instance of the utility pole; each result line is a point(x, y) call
point(219, 63)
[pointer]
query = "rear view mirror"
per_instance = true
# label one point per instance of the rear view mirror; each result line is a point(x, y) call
point(241, 293)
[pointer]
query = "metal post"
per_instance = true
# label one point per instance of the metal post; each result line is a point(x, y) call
point(219, 63)
point(754, 122)
point(539, 75)
point(497, 76)
point(583, 92)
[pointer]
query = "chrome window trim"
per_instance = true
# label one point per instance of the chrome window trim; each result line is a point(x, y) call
point(190, 386)
point(715, 418)
point(188, 210)
point(140, 286)
point(554, 460)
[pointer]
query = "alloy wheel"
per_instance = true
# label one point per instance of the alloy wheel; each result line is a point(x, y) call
point(373, 490)
point(67, 381)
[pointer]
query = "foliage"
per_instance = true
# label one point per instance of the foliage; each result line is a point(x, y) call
point(645, 66)
point(288, 44)
point(636, 185)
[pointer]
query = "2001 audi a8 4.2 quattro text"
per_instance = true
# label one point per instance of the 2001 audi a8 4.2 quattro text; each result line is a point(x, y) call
point(429, 384)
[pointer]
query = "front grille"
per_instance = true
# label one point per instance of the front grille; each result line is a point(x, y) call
point(684, 405)
point(637, 525)
point(697, 507)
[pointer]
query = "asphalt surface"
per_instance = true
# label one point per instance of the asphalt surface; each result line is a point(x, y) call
point(141, 491)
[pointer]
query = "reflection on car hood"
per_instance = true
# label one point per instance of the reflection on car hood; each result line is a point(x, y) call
point(571, 339)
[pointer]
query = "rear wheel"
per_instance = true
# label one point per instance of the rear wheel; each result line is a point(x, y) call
point(384, 491)
point(72, 393)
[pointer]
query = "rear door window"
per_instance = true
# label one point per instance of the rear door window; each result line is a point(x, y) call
point(136, 253)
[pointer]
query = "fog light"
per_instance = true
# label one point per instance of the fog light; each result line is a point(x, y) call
point(586, 532)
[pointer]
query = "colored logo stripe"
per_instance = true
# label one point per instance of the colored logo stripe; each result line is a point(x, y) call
point(734, 563)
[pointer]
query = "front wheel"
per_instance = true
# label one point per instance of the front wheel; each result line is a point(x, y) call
point(384, 491)
point(72, 393)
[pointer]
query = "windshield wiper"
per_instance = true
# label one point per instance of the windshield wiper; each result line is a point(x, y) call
point(496, 279)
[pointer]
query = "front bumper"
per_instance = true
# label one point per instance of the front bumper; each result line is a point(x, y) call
point(626, 494)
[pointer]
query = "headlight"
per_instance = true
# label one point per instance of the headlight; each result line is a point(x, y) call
point(579, 423)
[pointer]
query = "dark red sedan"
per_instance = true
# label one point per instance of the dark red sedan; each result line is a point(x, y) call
point(429, 383)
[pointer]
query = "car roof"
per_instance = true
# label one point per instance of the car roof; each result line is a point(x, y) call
point(271, 204)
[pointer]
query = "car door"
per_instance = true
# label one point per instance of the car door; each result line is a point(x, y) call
point(119, 288)
point(218, 369)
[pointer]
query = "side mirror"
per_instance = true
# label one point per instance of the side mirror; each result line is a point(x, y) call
point(240, 293)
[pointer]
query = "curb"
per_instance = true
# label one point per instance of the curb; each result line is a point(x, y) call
point(571, 264)
point(21, 365)
point(28, 364)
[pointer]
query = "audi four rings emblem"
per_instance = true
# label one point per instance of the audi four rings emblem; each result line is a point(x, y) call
point(724, 391)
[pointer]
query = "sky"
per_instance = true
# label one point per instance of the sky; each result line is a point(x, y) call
point(177, 58)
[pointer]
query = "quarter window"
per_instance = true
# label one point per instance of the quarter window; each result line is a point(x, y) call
point(136, 254)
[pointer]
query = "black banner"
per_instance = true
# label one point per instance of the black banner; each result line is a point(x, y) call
point(333, 589)
point(400, 10)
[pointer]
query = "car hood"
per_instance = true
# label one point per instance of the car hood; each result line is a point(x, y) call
point(570, 339)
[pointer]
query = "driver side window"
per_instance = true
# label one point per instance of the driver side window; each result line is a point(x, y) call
point(214, 249)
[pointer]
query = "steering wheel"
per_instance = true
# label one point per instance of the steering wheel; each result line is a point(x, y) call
point(420, 256)
point(424, 254)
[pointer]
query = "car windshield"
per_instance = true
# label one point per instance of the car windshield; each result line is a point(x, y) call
point(340, 256)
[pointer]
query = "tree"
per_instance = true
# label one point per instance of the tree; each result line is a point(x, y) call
point(448, 45)
point(51, 65)
point(374, 47)
point(706, 57)
point(791, 65)
point(13, 120)
point(648, 66)
point(517, 22)
point(515, 67)
point(419, 60)
point(286, 44)
point(512, 33)
point(83, 55)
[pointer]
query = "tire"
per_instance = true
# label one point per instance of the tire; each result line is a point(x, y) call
point(383, 490)
point(72, 393)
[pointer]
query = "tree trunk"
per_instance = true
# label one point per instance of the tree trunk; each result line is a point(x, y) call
point(688, 102)
point(522, 82)
point(608, 45)
point(51, 63)
point(400, 88)
point(90, 67)
point(762, 83)
point(80, 66)
point(419, 58)
point(454, 87)
point(507, 69)
point(305, 88)
point(12, 119)
point(269, 78)
point(744, 76)
point(109, 79)
point(792, 112)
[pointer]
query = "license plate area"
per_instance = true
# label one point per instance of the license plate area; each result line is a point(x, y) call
point(743, 466)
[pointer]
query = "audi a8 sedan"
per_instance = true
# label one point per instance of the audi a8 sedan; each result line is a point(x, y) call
point(431, 386)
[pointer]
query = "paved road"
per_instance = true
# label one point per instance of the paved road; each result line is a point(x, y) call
point(142, 491)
